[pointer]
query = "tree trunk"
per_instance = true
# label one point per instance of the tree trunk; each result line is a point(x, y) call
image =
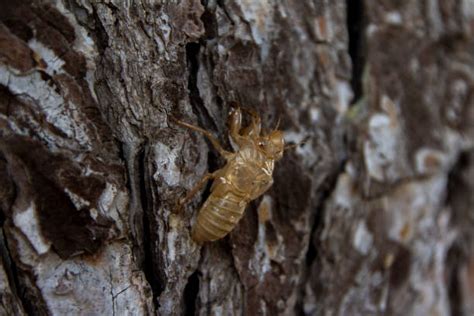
point(372, 214)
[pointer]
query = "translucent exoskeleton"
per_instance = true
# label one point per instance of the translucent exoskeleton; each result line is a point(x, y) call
point(246, 175)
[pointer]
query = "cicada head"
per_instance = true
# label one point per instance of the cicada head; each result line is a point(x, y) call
point(273, 144)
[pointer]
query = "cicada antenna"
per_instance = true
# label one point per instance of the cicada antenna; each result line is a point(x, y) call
point(277, 123)
point(302, 142)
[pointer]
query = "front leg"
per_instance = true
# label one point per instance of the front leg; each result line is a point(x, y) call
point(235, 125)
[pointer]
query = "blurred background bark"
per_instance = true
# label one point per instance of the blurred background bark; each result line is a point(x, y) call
point(372, 215)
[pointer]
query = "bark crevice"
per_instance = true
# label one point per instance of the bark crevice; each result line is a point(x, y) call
point(12, 272)
point(191, 291)
point(149, 264)
point(197, 103)
point(355, 29)
point(204, 118)
point(454, 259)
point(312, 253)
point(458, 199)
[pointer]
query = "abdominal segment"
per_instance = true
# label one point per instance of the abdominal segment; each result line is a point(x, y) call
point(218, 216)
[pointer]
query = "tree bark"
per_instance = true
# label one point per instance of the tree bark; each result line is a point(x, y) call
point(372, 214)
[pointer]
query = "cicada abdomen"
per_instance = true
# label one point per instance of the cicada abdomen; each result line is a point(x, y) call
point(218, 216)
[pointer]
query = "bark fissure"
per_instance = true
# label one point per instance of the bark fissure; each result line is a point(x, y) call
point(356, 29)
point(458, 201)
point(209, 20)
point(454, 259)
point(204, 119)
point(317, 226)
point(149, 264)
point(222, 5)
point(197, 103)
point(12, 273)
point(190, 294)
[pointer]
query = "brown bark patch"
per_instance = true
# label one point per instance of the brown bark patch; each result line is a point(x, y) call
point(44, 176)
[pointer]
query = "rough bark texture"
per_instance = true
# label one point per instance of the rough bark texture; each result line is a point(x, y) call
point(372, 215)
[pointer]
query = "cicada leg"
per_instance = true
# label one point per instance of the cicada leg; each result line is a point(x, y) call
point(195, 190)
point(211, 137)
point(235, 125)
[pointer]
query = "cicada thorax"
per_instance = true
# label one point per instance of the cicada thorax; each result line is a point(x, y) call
point(248, 170)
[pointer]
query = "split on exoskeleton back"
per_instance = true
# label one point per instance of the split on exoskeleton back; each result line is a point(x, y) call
point(237, 132)
point(271, 145)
